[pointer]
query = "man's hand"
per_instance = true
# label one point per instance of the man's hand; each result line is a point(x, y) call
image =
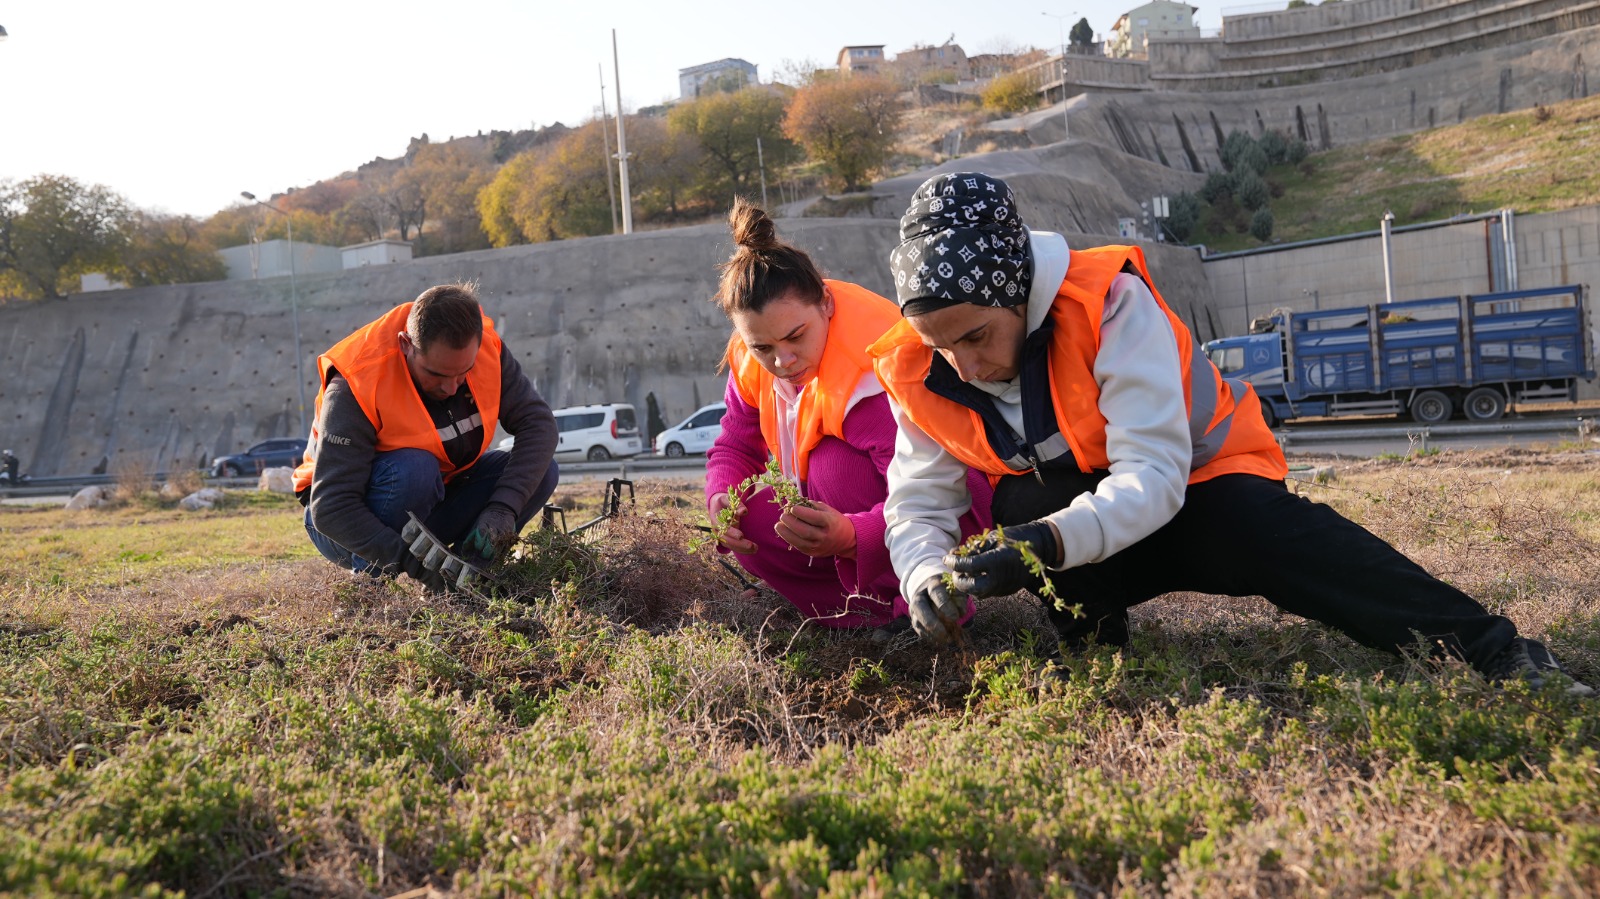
point(431, 580)
point(996, 568)
point(494, 530)
point(732, 538)
point(818, 530)
point(935, 613)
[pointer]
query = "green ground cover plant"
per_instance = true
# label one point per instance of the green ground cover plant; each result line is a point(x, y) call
point(617, 718)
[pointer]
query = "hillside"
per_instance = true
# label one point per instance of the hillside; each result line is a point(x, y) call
point(1534, 160)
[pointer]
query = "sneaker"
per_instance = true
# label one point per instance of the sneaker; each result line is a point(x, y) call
point(1532, 662)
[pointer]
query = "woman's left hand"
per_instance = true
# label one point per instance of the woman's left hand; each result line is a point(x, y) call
point(818, 530)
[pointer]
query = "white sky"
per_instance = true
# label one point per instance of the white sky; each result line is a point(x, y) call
point(181, 104)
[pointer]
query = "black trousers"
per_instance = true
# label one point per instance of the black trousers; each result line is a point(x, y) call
point(1244, 535)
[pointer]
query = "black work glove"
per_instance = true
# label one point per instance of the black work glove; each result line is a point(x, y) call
point(494, 530)
point(431, 580)
point(996, 568)
point(935, 612)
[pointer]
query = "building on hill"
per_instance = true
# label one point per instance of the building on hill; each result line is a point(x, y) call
point(947, 57)
point(375, 252)
point(726, 75)
point(1159, 18)
point(861, 58)
point(271, 259)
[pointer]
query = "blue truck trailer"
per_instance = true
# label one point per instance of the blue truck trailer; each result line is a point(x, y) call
point(1468, 356)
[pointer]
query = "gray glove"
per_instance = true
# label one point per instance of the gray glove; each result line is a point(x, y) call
point(431, 580)
point(494, 530)
point(935, 613)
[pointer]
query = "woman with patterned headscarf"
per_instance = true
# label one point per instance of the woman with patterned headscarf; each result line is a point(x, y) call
point(802, 394)
point(1121, 458)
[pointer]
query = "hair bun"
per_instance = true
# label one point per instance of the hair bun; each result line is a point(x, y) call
point(751, 227)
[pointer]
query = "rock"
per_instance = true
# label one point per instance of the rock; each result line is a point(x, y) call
point(170, 490)
point(88, 498)
point(200, 499)
point(277, 480)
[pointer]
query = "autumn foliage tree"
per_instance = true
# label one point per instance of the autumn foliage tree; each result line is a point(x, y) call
point(550, 193)
point(168, 249)
point(847, 124)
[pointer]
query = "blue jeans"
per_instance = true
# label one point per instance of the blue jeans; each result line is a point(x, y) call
point(408, 480)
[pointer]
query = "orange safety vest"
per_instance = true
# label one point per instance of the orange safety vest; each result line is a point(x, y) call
point(1226, 427)
point(859, 317)
point(374, 366)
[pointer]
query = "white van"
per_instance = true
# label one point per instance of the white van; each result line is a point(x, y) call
point(597, 433)
point(695, 434)
point(593, 433)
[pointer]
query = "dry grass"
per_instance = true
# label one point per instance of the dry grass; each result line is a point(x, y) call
point(622, 718)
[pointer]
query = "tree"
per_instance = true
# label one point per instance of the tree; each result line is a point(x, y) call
point(665, 168)
point(54, 228)
point(798, 72)
point(1012, 92)
point(1184, 216)
point(168, 249)
point(849, 125)
point(550, 193)
point(1251, 190)
point(445, 179)
point(1261, 224)
point(1081, 36)
point(727, 126)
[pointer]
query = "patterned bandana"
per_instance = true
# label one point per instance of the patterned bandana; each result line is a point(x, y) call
point(961, 241)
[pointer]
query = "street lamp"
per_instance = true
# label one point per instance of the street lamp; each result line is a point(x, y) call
point(294, 306)
point(1061, 28)
point(2, 32)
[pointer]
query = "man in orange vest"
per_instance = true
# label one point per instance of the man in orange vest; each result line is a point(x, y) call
point(409, 407)
point(1123, 461)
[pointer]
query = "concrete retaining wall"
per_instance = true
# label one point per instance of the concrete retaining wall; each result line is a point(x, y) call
point(171, 376)
point(1359, 37)
point(1167, 125)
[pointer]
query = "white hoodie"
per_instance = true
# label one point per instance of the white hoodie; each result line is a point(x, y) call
point(1147, 438)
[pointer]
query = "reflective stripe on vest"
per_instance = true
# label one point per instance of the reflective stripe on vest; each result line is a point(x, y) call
point(1227, 432)
point(374, 367)
point(859, 317)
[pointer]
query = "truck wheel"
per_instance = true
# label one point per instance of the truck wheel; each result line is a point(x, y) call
point(1430, 407)
point(1269, 415)
point(1485, 404)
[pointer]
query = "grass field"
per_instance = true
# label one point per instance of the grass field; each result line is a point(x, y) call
point(1533, 160)
point(197, 704)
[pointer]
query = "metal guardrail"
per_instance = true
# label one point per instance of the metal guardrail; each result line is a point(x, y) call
point(1580, 427)
point(69, 484)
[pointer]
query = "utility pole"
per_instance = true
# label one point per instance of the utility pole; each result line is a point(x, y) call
point(611, 190)
point(622, 140)
point(1387, 231)
point(762, 164)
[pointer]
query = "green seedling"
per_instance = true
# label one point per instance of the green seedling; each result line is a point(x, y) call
point(1031, 559)
point(786, 491)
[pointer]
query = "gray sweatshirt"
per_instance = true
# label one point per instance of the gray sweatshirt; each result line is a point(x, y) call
point(347, 441)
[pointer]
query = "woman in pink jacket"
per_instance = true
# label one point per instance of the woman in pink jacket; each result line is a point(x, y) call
point(801, 391)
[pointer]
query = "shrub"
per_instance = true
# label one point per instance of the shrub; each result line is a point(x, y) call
point(1275, 146)
point(1010, 93)
point(1296, 152)
point(1240, 151)
point(1185, 215)
point(1218, 185)
point(1261, 224)
point(1252, 191)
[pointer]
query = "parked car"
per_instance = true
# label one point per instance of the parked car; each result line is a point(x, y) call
point(694, 434)
point(593, 433)
point(279, 452)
